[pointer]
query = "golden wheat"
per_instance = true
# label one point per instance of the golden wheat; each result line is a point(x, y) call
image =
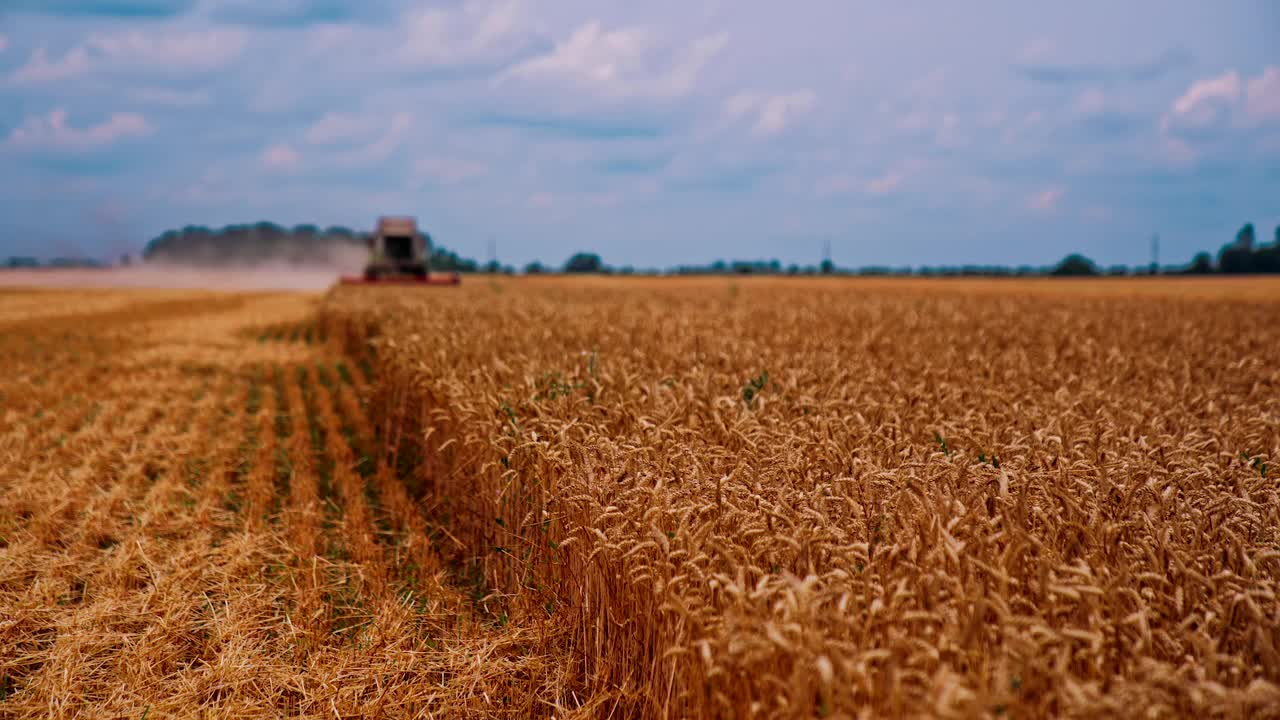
point(593, 497)
point(772, 498)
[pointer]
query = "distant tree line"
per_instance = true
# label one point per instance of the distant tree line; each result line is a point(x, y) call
point(304, 244)
point(268, 242)
point(444, 260)
point(248, 243)
point(1241, 256)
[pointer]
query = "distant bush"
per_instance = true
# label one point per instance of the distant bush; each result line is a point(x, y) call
point(584, 263)
point(1075, 264)
point(1201, 264)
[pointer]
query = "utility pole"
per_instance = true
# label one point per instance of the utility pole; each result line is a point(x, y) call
point(1155, 254)
point(827, 266)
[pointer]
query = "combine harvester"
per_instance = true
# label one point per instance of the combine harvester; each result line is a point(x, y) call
point(399, 255)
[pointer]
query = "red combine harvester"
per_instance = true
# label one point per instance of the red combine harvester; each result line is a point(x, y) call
point(399, 255)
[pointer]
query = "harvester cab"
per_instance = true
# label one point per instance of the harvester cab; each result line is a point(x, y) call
point(397, 249)
point(398, 252)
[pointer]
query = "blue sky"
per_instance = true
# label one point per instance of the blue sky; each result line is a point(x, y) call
point(656, 133)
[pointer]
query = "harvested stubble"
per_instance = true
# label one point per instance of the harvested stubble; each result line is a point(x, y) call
point(171, 545)
point(789, 499)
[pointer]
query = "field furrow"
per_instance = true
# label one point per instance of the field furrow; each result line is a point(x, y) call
point(412, 539)
point(262, 454)
point(358, 527)
point(303, 513)
point(217, 488)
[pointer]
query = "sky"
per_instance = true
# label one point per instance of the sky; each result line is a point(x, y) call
point(655, 133)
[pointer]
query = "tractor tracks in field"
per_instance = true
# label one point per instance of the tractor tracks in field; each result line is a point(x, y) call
point(347, 504)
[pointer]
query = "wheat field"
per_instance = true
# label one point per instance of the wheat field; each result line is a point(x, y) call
point(606, 497)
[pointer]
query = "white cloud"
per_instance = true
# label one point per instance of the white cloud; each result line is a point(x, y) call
point(893, 179)
point(779, 111)
point(1222, 87)
point(1207, 103)
point(1045, 200)
point(622, 63)
point(381, 148)
point(496, 22)
point(476, 32)
point(428, 37)
point(590, 55)
point(53, 131)
point(943, 127)
point(351, 140)
point(1215, 105)
point(187, 50)
point(134, 49)
point(684, 72)
point(770, 114)
point(340, 127)
point(171, 98)
point(4, 42)
point(885, 183)
point(447, 171)
point(1262, 95)
point(281, 157)
point(39, 68)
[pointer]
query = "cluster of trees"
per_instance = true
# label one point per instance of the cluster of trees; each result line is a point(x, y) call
point(249, 243)
point(444, 260)
point(1241, 256)
point(268, 242)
